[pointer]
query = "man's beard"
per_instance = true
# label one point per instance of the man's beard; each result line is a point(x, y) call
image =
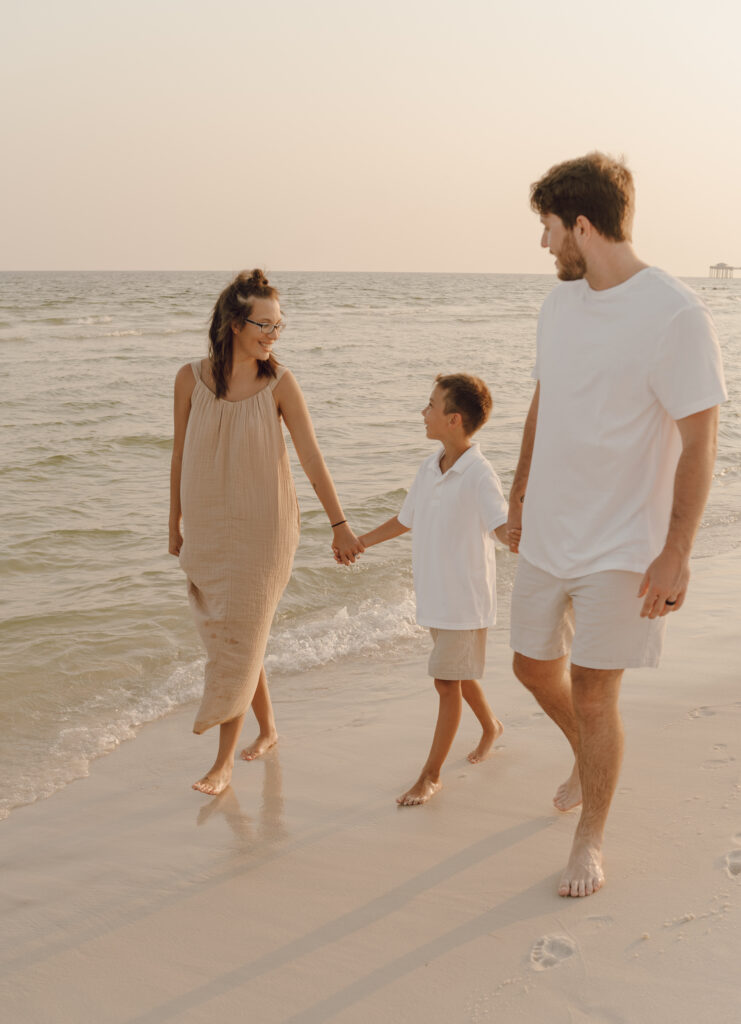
point(571, 264)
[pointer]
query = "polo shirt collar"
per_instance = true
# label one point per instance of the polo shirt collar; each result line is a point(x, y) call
point(461, 464)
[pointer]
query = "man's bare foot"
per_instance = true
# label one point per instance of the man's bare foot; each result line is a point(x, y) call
point(261, 745)
point(214, 782)
point(568, 794)
point(420, 793)
point(583, 875)
point(487, 741)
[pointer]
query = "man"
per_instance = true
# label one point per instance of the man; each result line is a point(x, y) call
point(615, 468)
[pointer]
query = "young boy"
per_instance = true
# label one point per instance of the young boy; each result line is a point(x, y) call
point(453, 507)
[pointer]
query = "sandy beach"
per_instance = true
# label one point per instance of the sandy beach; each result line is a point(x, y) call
point(304, 894)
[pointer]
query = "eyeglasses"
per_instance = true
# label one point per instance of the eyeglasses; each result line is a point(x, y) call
point(267, 328)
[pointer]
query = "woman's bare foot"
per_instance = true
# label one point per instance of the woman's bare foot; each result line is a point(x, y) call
point(487, 741)
point(420, 792)
point(261, 745)
point(214, 782)
point(568, 794)
point(583, 875)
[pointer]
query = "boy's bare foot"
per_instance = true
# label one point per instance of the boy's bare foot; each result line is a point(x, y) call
point(583, 875)
point(261, 745)
point(420, 793)
point(568, 794)
point(214, 782)
point(487, 741)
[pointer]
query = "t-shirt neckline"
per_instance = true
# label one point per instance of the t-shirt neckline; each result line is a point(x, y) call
point(605, 294)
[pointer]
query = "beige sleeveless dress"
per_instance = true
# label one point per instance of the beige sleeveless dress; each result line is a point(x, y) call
point(240, 532)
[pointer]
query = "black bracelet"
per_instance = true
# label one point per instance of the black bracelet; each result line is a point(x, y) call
point(339, 524)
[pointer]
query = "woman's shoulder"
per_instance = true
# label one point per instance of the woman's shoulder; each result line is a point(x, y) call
point(185, 378)
point(284, 376)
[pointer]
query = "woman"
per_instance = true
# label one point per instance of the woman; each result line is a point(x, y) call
point(231, 485)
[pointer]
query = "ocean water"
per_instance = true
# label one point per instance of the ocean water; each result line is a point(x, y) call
point(96, 636)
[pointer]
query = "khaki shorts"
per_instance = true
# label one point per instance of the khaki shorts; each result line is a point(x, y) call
point(595, 617)
point(457, 654)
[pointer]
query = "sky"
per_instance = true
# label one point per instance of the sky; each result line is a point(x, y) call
point(397, 135)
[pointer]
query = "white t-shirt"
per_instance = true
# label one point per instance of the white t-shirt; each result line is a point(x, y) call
point(452, 516)
point(616, 369)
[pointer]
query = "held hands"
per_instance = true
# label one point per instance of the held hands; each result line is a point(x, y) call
point(345, 545)
point(664, 585)
point(514, 524)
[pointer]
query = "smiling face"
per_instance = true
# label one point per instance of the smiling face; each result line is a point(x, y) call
point(249, 340)
point(561, 243)
point(437, 421)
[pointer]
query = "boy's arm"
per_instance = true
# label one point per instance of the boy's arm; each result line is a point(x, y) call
point(386, 531)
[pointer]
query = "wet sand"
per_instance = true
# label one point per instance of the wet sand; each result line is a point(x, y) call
point(304, 894)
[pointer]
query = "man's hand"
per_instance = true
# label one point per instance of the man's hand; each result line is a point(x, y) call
point(176, 539)
point(664, 584)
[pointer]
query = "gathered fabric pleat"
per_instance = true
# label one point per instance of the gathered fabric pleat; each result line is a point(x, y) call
point(240, 532)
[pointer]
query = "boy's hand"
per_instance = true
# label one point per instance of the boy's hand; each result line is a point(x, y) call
point(514, 524)
point(345, 545)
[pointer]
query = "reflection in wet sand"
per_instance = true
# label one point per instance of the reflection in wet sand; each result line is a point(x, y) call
point(270, 824)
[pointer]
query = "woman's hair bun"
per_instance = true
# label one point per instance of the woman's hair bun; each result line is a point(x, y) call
point(257, 277)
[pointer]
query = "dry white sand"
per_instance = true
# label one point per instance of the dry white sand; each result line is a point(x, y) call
point(304, 894)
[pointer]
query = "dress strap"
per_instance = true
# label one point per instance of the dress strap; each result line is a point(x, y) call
point(280, 370)
point(196, 368)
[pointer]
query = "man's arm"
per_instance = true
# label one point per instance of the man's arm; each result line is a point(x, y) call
point(522, 473)
point(668, 576)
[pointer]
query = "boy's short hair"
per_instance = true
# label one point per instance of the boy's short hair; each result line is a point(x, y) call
point(468, 396)
point(594, 186)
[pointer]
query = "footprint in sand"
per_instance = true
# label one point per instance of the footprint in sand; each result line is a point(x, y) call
point(733, 863)
point(721, 759)
point(737, 839)
point(701, 713)
point(550, 951)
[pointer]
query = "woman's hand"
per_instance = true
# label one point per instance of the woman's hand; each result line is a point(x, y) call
point(345, 545)
point(176, 539)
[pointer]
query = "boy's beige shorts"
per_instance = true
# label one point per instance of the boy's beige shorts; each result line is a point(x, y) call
point(457, 653)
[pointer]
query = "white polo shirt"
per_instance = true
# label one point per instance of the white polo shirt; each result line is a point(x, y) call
point(452, 516)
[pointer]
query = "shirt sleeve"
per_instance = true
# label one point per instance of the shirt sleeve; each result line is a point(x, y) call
point(406, 515)
point(687, 375)
point(492, 503)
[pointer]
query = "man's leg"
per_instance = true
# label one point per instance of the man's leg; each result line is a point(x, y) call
point(600, 752)
point(550, 684)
